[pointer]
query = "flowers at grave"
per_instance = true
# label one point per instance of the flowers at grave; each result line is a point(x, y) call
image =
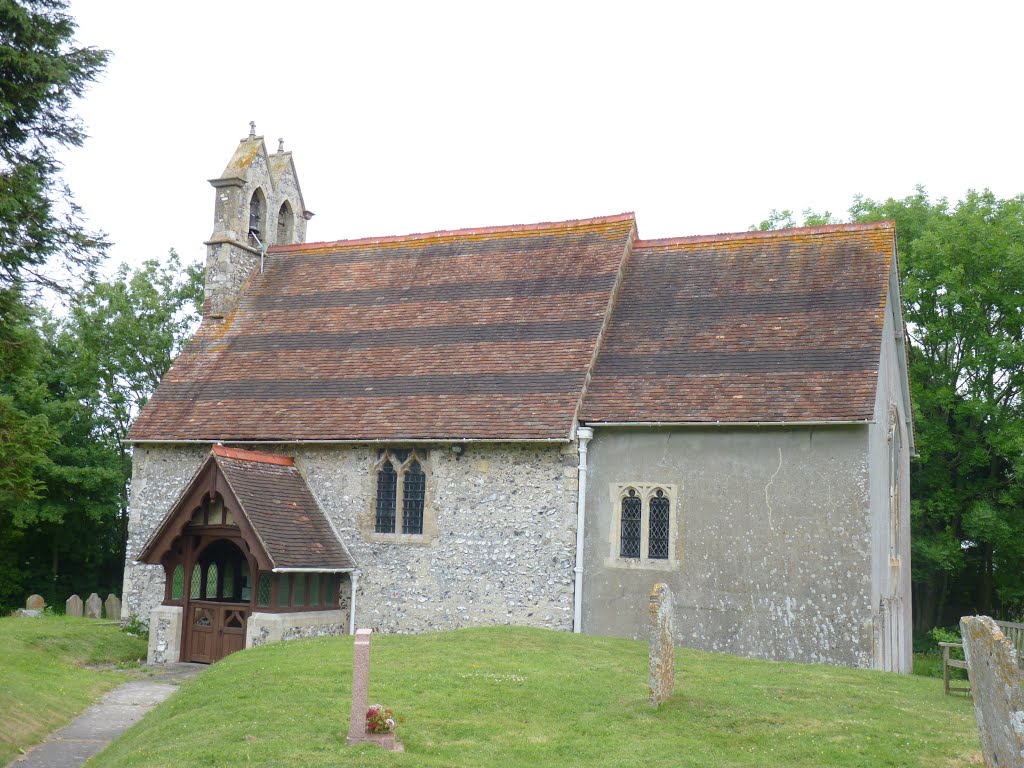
point(380, 719)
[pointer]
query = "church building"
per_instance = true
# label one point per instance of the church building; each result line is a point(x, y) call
point(528, 424)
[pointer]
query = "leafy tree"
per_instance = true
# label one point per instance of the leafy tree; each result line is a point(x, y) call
point(962, 269)
point(123, 335)
point(41, 72)
point(66, 525)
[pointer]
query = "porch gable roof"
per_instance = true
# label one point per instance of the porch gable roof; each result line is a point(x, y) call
point(277, 514)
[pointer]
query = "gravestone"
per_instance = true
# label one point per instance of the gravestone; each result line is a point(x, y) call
point(661, 680)
point(357, 733)
point(35, 603)
point(73, 606)
point(113, 607)
point(93, 607)
point(996, 686)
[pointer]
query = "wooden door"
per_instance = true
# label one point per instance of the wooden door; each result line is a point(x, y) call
point(202, 632)
point(215, 630)
point(233, 629)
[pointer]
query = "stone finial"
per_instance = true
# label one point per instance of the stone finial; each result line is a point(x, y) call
point(113, 607)
point(35, 603)
point(73, 606)
point(662, 677)
point(280, 146)
point(252, 129)
point(996, 685)
point(93, 607)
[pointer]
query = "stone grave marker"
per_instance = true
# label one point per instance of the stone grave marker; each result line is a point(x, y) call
point(661, 680)
point(73, 606)
point(357, 733)
point(35, 603)
point(93, 607)
point(113, 607)
point(996, 686)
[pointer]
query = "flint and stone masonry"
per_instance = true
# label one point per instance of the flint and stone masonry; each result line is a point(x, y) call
point(996, 686)
point(501, 553)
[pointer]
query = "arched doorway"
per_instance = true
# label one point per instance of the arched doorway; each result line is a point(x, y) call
point(218, 602)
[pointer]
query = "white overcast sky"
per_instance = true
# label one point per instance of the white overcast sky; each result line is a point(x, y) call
point(413, 117)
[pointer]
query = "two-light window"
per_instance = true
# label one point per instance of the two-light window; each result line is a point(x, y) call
point(401, 493)
point(644, 525)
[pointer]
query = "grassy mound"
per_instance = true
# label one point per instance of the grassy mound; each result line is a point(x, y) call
point(504, 696)
point(42, 685)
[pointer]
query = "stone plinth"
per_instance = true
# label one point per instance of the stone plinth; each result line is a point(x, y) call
point(35, 603)
point(113, 607)
point(94, 607)
point(73, 606)
point(996, 687)
point(165, 634)
point(662, 677)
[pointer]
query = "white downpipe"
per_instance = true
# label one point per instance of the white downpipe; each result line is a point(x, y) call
point(353, 579)
point(583, 435)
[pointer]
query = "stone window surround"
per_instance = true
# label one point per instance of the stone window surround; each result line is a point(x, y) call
point(645, 490)
point(367, 525)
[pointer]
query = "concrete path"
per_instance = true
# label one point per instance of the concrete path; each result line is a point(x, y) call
point(104, 721)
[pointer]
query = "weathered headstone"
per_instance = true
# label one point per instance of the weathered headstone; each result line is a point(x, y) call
point(113, 607)
point(662, 677)
point(93, 607)
point(996, 686)
point(35, 603)
point(73, 606)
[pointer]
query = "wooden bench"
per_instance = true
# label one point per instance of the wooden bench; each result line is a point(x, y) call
point(1014, 633)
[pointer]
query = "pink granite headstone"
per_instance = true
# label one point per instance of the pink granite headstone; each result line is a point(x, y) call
point(360, 686)
point(357, 733)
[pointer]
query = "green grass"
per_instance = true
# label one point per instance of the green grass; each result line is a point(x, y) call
point(503, 696)
point(42, 685)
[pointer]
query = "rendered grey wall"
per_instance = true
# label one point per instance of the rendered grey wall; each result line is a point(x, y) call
point(774, 541)
point(891, 593)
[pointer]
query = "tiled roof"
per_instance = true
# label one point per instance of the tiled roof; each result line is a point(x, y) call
point(751, 327)
point(275, 499)
point(484, 333)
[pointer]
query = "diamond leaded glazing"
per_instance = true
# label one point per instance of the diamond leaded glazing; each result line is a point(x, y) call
point(413, 493)
point(387, 492)
point(659, 526)
point(629, 535)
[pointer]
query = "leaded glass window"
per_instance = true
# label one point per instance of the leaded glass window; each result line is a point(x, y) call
point(211, 581)
point(246, 583)
point(178, 582)
point(229, 582)
point(283, 585)
point(314, 589)
point(197, 582)
point(299, 590)
point(331, 590)
point(629, 534)
point(657, 538)
point(263, 592)
point(387, 493)
point(413, 493)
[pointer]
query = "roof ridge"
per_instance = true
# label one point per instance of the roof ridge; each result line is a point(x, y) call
point(258, 456)
point(768, 234)
point(441, 233)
